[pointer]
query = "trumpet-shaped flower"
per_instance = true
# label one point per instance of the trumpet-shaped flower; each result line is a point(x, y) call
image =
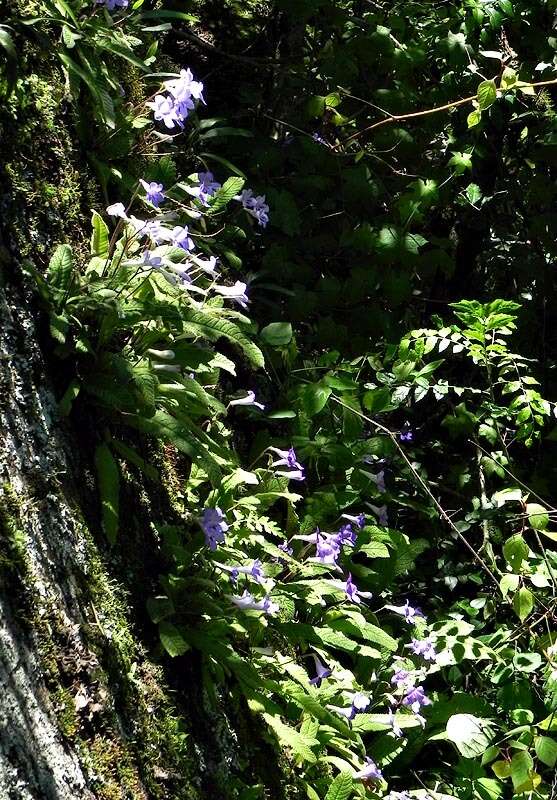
point(409, 613)
point(370, 772)
point(247, 602)
point(358, 520)
point(117, 210)
point(322, 672)
point(236, 292)
point(248, 400)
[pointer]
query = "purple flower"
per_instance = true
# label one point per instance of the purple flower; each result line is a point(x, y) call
point(285, 547)
point(185, 87)
point(370, 772)
point(208, 266)
point(256, 206)
point(247, 602)
point(327, 549)
point(180, 237)
point(397, 730)
point(288, 459)
point(410, 614)
point(174, 108)
point(255, 571)
point(150, 260)
point(379, 481)
point(154, 192)
point(358, 704)
point(347, 535)
point(248, 400)
point(359, 520)
point(401, 677)
point(406, 435)
point(415, 699)
point(236, 292)
point(360, 701)
point(206, 188)
point(424, 648)
point(352, 591)
point(318, 138)
point(322, 672)
point(117, 210)
point(165, 111)
point(214, 527)
point(111, 5)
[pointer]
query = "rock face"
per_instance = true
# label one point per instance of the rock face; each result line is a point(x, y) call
point(83, 712)
point(42, 552)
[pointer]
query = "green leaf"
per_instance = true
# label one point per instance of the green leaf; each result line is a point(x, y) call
point(108, 477)
point(172, 640)
point(474, 118)
point(277, 334)
point(369, 723)
point(522, 767)
point(515, 551)
point(537, 516)
point(100, 237)
point(341, 787)
point(65, 404)
point(461, 162)
point(471, 735)
point(487, 94)
point(314, 398)
point(502, 769)
point(289, 737)
point(213, 327)
point(60, 267)
point(225, 194)
point(546, 750)
point(508, 78)
point(523, 603)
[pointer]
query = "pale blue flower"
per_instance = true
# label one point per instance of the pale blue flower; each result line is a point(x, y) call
point(236, 292)
point(370, 772)
point(248, 400)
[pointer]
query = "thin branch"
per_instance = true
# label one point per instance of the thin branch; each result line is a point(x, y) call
point(436, 109)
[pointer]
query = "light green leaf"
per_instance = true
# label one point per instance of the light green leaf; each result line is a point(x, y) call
point(471, 735)
point(289, 737)
point(341, 787)
point(537, 516)
point(546, 750)
point(487, 94)
point(100, 237)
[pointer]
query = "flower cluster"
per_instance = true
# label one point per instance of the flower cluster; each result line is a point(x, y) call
point(255, 206)
point(173, 108)
point(287, 458)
